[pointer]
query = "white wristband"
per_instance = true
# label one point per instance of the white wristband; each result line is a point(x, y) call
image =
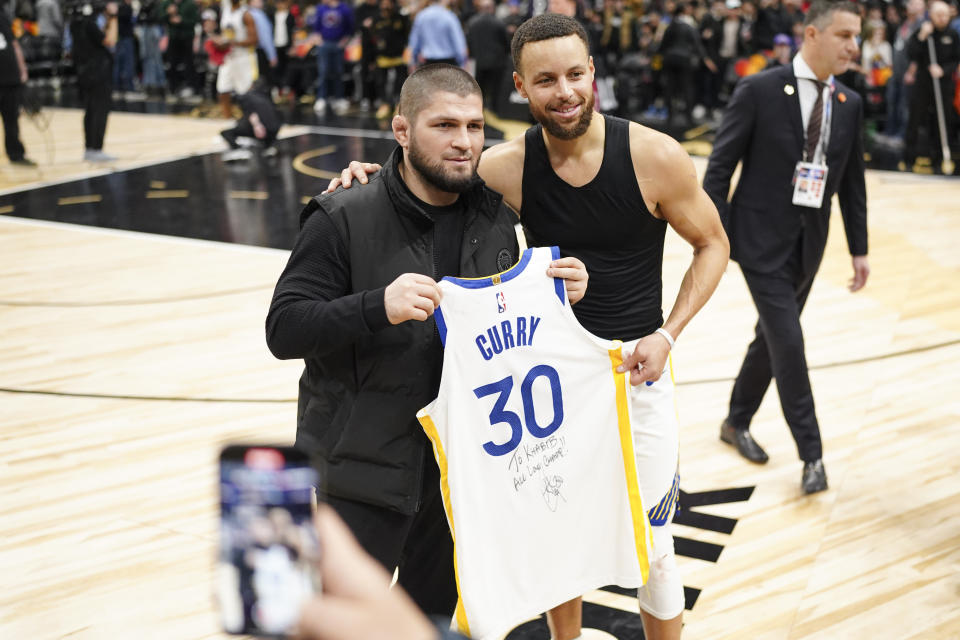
point(665, 334)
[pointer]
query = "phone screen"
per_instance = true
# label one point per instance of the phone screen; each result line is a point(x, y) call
point(268, 546)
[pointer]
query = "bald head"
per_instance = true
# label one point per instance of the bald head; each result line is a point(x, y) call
point(940, 14)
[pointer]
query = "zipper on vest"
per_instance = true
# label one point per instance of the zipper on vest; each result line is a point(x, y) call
point(419, 486)
point(436, 277)
point(436, 258)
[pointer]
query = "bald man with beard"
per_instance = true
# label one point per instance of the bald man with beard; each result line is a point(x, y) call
point(923, 72)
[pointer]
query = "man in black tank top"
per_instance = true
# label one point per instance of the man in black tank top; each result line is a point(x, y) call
point(575, 179)
point(580, 189)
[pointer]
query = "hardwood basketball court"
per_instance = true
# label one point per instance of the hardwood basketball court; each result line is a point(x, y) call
point(127, 359)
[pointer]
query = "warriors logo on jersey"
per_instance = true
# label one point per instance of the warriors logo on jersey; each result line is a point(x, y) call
point(531, 430)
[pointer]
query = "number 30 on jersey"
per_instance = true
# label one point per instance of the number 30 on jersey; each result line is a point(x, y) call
point(500, 415)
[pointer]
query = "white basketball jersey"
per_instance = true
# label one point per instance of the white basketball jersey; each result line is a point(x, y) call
point(531, 430)
point(231, 23)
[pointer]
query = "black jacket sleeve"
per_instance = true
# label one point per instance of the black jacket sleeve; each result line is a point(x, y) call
point(730, 144)
point(852, 195)
point(314, 311)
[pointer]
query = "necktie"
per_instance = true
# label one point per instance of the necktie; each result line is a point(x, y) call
point(813, 126)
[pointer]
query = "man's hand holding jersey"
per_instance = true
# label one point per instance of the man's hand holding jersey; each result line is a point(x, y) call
point(414, 296)
point(574, 274)
point(571, 270)
point(648, 359)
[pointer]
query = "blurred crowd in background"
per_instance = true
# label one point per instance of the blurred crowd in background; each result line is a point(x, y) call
point(667, 63)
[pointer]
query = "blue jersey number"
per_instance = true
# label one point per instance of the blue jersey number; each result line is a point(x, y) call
point(500, 415)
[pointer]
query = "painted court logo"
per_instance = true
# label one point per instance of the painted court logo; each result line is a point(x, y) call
point(620, 620)
point(501, 302)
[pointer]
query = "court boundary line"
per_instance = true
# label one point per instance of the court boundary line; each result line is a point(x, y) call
point(106, 171)
point(107, 396)
point(77, 304)
point(146, 235)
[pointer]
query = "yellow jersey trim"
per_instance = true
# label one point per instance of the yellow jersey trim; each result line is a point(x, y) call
point(460, 614)
point(643, 538)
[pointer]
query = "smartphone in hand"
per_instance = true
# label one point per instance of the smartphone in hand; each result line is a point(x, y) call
point(268, 546)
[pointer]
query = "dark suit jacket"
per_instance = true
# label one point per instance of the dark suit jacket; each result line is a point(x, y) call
point(762, 126)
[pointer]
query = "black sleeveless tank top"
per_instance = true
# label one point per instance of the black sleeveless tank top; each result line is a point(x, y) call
point(606, 224)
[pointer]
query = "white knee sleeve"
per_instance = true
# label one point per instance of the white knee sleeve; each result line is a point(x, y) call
point(662, 596)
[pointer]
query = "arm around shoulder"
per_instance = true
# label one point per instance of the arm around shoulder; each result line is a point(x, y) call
point(501, 167)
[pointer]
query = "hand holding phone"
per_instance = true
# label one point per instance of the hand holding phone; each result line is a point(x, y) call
point(358, 603)
point(268, 545)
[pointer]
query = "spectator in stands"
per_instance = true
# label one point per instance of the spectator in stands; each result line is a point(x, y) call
point(437, 36)
point(511, 15)
point(366, 15)
point(49, 21)
point(898, 91)
point(616, 38)
point(924, 72)
point(782, 50)
point(390, 32)
point(712, 35)
point(266, 52)
point(94, 63)
point(893, 19)
point(748, 21)
point(215, 53)
point(333, 26)
point(877, 56)
point(302, 63)
point(682, 52)
point(124, 62)
point(154, 79)
point(284, 24)
point(731, 46)
point(181, 19)
point(13, 75)
point(489, 47)
point(767, 25)
point(790, 15)
point(646, 78)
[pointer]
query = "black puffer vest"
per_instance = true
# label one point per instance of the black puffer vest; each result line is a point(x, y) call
point(357, 405)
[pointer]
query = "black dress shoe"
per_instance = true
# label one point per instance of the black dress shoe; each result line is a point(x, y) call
point(814, 477)
point(744, 442)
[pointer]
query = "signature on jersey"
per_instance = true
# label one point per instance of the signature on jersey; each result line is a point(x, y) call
point(551, 491)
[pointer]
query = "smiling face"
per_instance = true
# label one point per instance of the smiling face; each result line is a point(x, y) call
point(443, 141)
point(556, 76)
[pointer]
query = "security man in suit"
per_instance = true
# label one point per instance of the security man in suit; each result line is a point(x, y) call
point(798, 132)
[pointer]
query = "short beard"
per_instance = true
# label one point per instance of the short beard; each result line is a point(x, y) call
point(560, 132)
point(437, 176)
